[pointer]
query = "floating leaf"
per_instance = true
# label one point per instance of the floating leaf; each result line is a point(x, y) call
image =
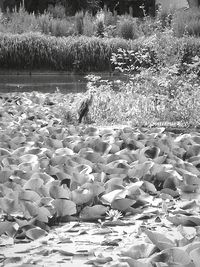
point(94, 212)
point(159, 240)
point(35, 233)
point(64, 207)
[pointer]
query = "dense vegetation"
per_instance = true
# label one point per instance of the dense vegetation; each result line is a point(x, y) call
point(73, 6)
point(86, 42)
point(133, 183)
point(54, 170)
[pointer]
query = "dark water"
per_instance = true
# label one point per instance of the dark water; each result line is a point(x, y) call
point(66, 83)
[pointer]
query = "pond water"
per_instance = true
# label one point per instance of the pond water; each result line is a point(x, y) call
point(67, 83)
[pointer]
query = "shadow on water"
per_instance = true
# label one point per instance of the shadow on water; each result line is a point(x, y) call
point(46, 83)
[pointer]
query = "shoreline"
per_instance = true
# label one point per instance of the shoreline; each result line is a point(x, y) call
point(49, 72)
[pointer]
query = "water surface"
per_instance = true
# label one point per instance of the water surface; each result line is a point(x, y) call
point(66, 83)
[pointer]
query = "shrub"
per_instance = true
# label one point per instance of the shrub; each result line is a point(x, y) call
point(186, 22)
point(126, 28)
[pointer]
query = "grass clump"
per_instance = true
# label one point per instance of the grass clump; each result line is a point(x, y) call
point(186, 22)
point(150, 98)
point(127, 28)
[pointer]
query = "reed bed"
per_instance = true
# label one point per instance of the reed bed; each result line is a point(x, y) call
point(37, 51)
point(31, 51)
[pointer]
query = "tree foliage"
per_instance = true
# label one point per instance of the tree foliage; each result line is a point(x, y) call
point(73, 6)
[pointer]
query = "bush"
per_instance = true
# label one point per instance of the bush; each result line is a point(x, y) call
point(186, 22)
point(126, 28)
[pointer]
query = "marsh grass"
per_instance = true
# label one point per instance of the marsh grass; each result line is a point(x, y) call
point(37, 51)
point(186, 22)
point(127, 28)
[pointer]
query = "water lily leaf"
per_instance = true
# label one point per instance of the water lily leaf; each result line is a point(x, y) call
point(19, 139)
point(99, 260)
point(19, 151)
point(113, 195)
point(80, 179)
point(5, 175)
point(8, 205)
point(64, 207)
point(91, 131)
point(29, 158)
point(43, 214)
point(8, 161)
point(178, 256)
point(64, 152)
point(189, 188)
point(6, 227)
point(29, 195)
point(193, 150)
point(58, 160)
point(191, 246)
point(81, 196)
point(23, 223)
point(174, 257)
point(4, 152)
point(148, 187)
point(101, 147)
point(113, 183)
point(187, 232)
point(94, 157)
point(195, 256)
point(44, 162)
point(180, 219)
point(30, 209)
point(35, 233)
point(152, 152)
point(94, 212)
point(139, 170)
point(135, 263)
point(84, 169)
point(159, 240)
point(33, 184)
point(56, 191)
point(138, 251)
point(43, 176)
point(29, 166)
point(122, 204)
point(55, 143)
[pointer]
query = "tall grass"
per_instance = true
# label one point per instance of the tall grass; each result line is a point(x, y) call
point(81, 53)
point(127, 27)
point(187, 22)
point(37, 51)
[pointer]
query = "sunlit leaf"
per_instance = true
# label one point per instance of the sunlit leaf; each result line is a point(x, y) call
point(94, 212)
point(35, 233)
point(64, 207)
